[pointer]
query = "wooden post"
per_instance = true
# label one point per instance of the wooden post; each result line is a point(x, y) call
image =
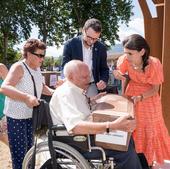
point(153, 28)
point(157, 33)
point(165, 92)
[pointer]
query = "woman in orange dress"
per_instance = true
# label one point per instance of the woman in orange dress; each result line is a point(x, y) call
point(146, 75)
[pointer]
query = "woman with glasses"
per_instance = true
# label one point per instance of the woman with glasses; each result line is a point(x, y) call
point(146, 75)
point(19, 89)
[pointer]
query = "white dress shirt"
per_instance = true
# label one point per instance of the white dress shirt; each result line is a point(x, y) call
point(69, 106)
point(87, 58)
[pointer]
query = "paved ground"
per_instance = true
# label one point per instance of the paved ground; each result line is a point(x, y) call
point(5, 162)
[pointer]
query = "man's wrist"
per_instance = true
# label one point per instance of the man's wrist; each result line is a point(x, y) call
point(107, 127)
point(141, 97)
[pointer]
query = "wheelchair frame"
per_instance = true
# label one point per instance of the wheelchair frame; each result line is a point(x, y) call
point(68, 157)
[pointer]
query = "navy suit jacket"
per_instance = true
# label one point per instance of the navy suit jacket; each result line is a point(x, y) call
point(73, 50)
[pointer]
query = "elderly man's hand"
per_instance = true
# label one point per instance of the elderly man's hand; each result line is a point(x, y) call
point(98, 96)
point(125, 123)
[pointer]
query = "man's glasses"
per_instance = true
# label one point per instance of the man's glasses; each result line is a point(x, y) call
point(91, 38)
point(38, 55)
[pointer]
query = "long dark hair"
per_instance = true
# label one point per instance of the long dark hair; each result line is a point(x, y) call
point(137, 42)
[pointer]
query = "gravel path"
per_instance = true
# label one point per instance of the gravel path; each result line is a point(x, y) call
point(5, 159)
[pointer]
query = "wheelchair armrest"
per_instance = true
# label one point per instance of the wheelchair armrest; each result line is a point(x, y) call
point(58, 127)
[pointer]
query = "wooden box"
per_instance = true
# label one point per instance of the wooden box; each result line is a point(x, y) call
point(109, 108)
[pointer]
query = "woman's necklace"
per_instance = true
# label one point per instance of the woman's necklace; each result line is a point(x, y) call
point(137, 67)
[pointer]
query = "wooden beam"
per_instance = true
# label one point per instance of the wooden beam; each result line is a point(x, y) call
point(158, 1)
point(165, 91)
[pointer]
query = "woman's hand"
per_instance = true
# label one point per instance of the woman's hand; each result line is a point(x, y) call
point(118, 75)
point(136, 99)
point(60, 82)
point(31, 101)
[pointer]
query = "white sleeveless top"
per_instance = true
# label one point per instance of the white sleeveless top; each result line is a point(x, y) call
point(18, 109)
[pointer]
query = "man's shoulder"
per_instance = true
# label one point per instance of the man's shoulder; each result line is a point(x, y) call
point(74, 40)
point(64, 89)
point(100, 45)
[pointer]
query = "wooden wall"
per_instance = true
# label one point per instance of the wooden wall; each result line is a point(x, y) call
point(157, 33)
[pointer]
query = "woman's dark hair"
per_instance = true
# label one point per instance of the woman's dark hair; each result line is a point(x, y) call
point(137, 42)
point(31, 45)
point(93, 23)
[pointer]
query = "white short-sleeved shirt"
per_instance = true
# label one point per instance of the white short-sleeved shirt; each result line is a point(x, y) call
point(17, 109)
point(69, 106)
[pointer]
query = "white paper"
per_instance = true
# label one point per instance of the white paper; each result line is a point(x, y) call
point(53, 80)
point(115, 137)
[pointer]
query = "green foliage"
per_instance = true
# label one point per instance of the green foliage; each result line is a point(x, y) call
point(50, 62)
point(14, 23)
point(58, 61)
point(44, 14)
point(58, 20)
point(74, 13)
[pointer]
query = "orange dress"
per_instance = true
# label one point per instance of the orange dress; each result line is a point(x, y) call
point(151, 136)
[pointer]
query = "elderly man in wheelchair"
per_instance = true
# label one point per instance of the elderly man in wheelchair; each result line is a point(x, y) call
point(69, 106)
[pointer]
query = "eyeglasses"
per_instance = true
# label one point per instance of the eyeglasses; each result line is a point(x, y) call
point(38, 55)
point(91, 38)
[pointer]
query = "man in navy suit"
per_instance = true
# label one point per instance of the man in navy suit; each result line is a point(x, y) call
point(90, 50)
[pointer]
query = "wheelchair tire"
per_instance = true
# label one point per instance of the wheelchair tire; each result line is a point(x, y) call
point(66, 156)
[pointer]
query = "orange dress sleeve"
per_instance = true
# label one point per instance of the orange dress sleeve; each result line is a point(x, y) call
point(122, 64)
point(155, 72)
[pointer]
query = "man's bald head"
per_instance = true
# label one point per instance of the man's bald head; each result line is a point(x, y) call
point(78, 73)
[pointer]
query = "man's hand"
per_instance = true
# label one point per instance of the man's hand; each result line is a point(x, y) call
point(98, 96)
point(125, 123)
point(101, 85)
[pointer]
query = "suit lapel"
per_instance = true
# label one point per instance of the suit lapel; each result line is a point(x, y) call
point(94, 55)
point(80, 48)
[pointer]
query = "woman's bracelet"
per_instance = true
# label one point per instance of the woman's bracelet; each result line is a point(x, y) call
point(141, 97)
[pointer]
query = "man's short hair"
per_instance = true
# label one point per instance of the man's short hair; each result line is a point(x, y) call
point(72, 67)
point(93, 23)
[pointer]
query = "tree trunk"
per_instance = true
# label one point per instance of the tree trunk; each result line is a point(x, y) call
point(5, 46)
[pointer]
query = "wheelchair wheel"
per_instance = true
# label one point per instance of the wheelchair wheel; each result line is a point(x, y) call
point(66, 157)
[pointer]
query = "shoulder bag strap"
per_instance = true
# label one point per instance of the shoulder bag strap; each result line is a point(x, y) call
point(35, 91)
point(33, 160)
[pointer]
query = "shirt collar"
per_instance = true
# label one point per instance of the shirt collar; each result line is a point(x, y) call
point(78, 89)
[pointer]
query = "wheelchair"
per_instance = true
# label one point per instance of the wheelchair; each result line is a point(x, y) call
point(71, 152)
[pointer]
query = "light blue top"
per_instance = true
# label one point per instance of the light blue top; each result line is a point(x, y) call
point(2, 100)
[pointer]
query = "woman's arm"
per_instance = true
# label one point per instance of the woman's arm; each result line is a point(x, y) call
point(3, 71)
point(8, 87)
point(151, 92)
point(47, 91)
